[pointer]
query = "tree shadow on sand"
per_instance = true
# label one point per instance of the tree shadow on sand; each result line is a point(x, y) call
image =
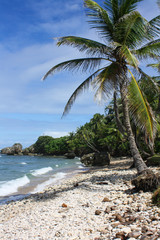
point(92, 183)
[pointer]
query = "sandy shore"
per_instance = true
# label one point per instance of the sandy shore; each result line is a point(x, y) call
point(98, 204)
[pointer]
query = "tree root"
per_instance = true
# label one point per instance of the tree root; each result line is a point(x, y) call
point(147, 181)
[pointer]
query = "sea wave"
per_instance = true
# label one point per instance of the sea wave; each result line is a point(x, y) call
point(7, 188)
point(57, 176)
point(23, 163)
point(41, 171)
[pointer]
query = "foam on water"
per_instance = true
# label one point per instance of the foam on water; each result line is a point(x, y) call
point(12, 186)
point(23, 163)
point(57, 176)
point(2, 182)
point(41, 171)
point(19, 175)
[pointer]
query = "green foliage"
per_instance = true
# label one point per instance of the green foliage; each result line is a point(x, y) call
point(98, 135)
point(151, 91)
point(157, 145)
point(49, 146)
point(137, 106)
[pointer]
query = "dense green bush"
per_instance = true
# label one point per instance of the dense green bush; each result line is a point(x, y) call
point(99, 135)
point(51, 146)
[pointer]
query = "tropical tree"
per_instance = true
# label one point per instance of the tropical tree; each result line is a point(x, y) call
point(114, 60)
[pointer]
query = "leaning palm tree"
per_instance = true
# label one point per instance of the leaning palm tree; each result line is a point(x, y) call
point(114, 60)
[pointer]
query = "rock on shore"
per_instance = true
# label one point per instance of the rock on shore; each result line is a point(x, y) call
point(96, 159)
point(97, 205)
point(15, 149)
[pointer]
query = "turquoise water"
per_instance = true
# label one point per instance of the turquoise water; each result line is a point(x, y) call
point(21, 175)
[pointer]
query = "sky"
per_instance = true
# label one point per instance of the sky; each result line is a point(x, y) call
point(30, 107)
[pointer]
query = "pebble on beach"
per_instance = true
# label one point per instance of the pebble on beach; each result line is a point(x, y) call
point(80, 208)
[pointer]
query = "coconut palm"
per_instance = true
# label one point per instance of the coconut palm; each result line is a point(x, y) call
point(114, 60)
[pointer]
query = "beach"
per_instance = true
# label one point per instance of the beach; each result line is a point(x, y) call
point(97, 204)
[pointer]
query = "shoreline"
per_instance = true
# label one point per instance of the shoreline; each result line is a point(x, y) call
point(41, 185)
point(95, 204)
point(31, 181)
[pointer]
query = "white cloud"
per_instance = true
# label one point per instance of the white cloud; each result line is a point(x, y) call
point(46, 10)
point(55, 134)
point(61, 28)
point(21, 72)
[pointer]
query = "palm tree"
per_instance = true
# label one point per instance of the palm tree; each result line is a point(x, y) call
point(123, 31)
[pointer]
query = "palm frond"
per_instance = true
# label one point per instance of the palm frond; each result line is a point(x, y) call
point(117, 9)
point(154, 28)
point(112, 9)
point(140, 110)
point(99, 19)
point(155, 65)
point(86, 45)
point(105, 81)
point(82, 87)
point(150, 80)
point(75, 64)
point(157, 79)
point(128, 56)
point(150, 89)
point(128, 6)
point(131, 30)
point(149, 50)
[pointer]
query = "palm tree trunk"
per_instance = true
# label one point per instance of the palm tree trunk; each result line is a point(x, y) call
point(118, 121)
point(138, 161)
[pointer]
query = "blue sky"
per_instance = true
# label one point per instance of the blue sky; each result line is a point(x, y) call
point(29, 107)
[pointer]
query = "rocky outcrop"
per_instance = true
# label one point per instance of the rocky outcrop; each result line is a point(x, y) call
point(15, 149)
point(96, 159)
point(70, 155)
point(28, 151)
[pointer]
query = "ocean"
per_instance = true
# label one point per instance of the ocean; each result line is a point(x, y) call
point(23, 175)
